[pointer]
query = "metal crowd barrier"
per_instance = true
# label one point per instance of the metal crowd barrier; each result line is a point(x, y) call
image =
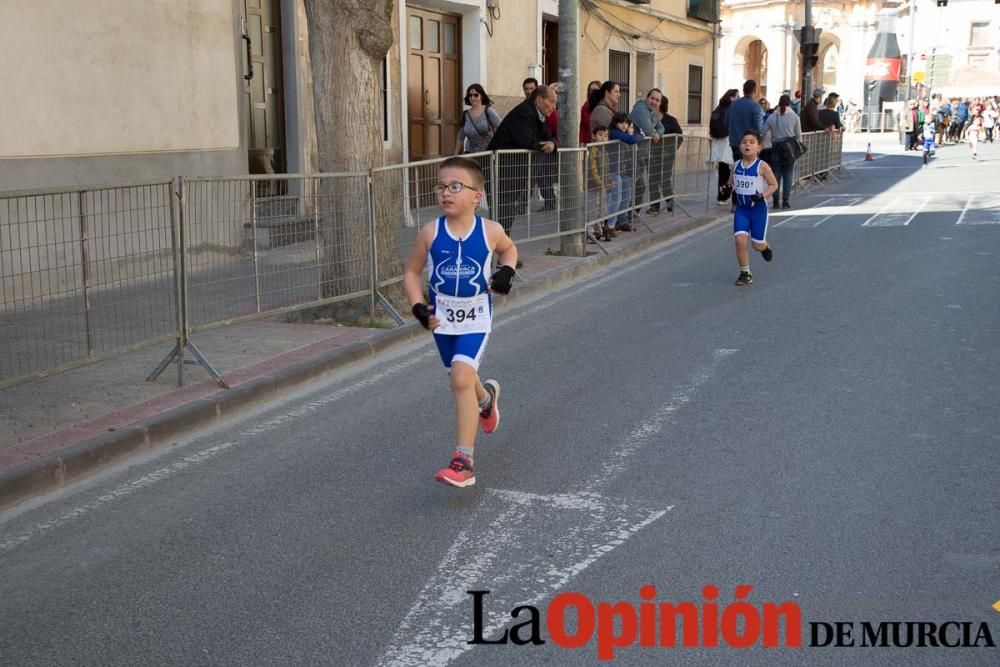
point(88, 273)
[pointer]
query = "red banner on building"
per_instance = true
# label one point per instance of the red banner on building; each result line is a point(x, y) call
point(882, 69)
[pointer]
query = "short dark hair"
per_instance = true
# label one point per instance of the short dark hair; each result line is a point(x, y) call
point(483, 97)
point(530, 79)
point(752, 133)
point(620, 117)
point(471, 166)
point(749, 86)
point(653, 90)
point(600, 128)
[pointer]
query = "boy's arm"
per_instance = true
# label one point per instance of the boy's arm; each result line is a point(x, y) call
point(772, 182)
point(413, 282)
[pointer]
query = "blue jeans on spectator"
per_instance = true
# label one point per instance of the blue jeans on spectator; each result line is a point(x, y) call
point(614, 198)
point(626, 199)
point(783, 173)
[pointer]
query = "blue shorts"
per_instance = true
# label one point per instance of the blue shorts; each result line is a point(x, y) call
point(929, 144)
point(467, 348)
point(751, 220)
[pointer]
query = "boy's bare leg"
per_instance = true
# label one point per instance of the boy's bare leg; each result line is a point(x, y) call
point(742, 251)
point(469, 392)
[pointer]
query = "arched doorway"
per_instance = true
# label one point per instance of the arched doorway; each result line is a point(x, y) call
point(755, 65)
point(826, 69)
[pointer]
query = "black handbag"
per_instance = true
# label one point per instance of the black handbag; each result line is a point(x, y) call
point(788, 150)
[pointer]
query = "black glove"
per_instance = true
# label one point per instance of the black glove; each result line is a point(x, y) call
point(725, 191)
point(423, 313)
point(757, 198)
point(501, 280)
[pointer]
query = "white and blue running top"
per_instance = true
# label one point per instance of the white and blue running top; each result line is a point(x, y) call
point(747, 182)
point(459, 266)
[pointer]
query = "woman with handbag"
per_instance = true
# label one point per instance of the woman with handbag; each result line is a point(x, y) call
point(479, 122)
point(720, 152)
point(785, 133)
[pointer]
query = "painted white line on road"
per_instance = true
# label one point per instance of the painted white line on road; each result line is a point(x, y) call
point(500, 551)
point(923, 203)
point(802, 213)
point(641, 435)
point(842, 206)
point(965, 209)
point(893, 214)
point(985, 212)
point(157, 476)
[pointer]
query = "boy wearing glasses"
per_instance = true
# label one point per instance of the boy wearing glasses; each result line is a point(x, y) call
point(459, 247)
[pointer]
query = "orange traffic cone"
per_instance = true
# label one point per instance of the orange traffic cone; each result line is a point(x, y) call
point(868, 156)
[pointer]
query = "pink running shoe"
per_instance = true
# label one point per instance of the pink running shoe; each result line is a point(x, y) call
point(489, 417)
point(458, 473)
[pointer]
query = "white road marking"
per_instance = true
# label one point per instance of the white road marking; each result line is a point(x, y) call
point(985, 212)
point(500, 552)
point(499, 549)
point(851, 202)
point(896, 213)
point(923, 203)
point(801, 213)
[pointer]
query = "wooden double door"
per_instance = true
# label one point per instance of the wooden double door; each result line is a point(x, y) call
point(434, 89)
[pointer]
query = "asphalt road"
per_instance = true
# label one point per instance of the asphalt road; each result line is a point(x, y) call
point(828, 435)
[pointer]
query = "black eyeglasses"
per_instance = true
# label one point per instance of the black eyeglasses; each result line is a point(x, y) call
point(454, 187)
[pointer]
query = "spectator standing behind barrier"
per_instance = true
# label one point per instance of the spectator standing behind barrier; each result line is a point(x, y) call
point(718, 130)
point(646, 118)
point(585, 134)
point(765, 106)
point(601, 183)
point(783, 126)
point(828, 116)
point(479, 122)
point(672, 140)
point(744, 114)
point(810, 114)
point(603, 105)
point(524, 128)
point(908, 125)
point(621, 165)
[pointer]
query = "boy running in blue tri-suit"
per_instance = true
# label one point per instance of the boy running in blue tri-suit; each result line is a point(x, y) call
point(458, 249)
point(753, 182)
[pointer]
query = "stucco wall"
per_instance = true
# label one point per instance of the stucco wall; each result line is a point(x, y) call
point(109, 91)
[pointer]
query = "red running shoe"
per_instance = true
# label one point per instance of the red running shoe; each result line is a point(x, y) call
point(489, 417)
point(458, 473)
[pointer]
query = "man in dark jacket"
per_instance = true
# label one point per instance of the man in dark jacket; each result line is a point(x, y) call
point(524, 128)
point(810, 114)
point(672, 140)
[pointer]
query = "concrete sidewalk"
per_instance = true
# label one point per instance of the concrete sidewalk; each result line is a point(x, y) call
point(60, 429)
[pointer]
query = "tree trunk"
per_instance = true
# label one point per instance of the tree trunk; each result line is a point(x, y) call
point(347, 41)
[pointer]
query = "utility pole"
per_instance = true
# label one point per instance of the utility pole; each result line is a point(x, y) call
point(909, 59)
point(807, 34)
point(571, 203)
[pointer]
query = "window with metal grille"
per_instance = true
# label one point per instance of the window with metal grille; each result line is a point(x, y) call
point(618, 68)
point(695, 82)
